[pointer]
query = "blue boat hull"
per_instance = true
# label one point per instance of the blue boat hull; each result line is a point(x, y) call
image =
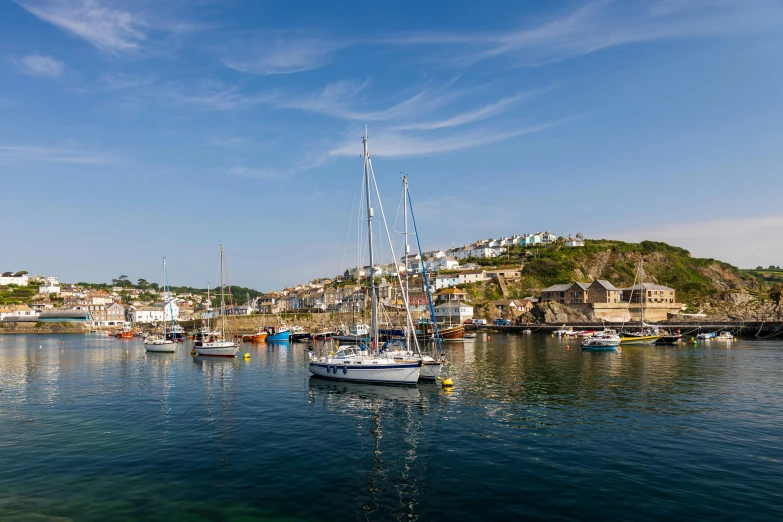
point(282, 336)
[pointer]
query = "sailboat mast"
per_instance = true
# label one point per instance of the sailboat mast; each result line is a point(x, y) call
point(222, 297)
point(643, 293)
point(406, 290)
point(373, 296)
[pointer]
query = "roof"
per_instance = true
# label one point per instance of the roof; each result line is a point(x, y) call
point(558, 288)
point(20, 319)
point(606, 284)
point(64, 314)
point(504, 302)
point(479, 271)
point(649, 286)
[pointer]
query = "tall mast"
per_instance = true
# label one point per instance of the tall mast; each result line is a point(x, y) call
point(373, 297)
point(406, 290)
point(222, 297)
point(643, 293)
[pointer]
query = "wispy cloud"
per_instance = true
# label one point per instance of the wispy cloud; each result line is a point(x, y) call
point(213, 95)
point(465, 118)
point(280, 53)
point(344, 100)
point(602, 24)
point(125, 81)
point(237, 142)
point(108, 29)
point(263, 173)
point(401, 145)
point(55, 154)
point(39, 65)
point(116, 27)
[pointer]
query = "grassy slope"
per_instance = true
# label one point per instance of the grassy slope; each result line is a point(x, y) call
point(695, 279)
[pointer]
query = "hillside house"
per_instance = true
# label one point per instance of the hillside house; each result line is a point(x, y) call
point(649, 293)
point(8, 279)
point(446, 280)
point(450, 294)
point(453, 312)
point(574, 242)
point(602, 291)
point(471, 276)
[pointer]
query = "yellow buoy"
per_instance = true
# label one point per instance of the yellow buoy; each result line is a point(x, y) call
point(247, 355)
point(193, 352)
point(448, 383)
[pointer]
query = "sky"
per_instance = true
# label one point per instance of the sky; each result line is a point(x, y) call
point(135, 129)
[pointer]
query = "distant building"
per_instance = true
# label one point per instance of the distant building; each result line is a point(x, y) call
point(471, 276)
point(48, 288)
point(8, 279)
point(446, 280)
point(574, 242)
point(649, 293)
point(453, 312)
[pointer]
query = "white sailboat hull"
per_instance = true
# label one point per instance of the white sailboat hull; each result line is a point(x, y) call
point(217, 348)
point(160, 347)
point(368, 372)
point(430, 371)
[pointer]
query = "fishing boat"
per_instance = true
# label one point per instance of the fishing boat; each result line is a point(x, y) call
point(356, 333)
point(608, 340)
point(362, 362)
point(725, 336)
point(704, 336)
point(299, 334)
point(125, 333)
point(278, 333)
point(257, 337)
point(176, 332)
point(584, 333)
point(214, 345)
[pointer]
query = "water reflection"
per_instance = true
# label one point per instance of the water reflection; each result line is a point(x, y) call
point(394, 424)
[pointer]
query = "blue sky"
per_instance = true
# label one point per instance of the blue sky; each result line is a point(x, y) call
point(133, 129)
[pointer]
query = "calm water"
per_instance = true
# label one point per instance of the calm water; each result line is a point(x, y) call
point(97, 429)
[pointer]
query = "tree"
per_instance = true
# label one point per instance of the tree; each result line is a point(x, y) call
point(771, 267)
point(759, 268)
point(20, 273)
point(579, 235)
point(143, 284)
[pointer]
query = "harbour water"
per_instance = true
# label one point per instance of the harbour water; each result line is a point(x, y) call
point(93, 428)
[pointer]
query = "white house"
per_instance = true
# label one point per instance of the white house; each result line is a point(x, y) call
point(50, 287)
point(8, 279)
point(461, 252)
point(574, 242)
point(453, 312)
point(471, 276)
point(446, 281)
point(146, 314)
point(17, 311)
point(442, 263)
point(486, 251)
point(434, 254)
point(547, 237)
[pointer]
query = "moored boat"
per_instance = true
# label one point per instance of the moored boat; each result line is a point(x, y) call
point(257, 337)
point(607, 340)
point(299, 334)
point(218, 346)
point(278, 333)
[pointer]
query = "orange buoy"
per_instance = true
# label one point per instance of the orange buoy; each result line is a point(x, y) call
point(568, 347)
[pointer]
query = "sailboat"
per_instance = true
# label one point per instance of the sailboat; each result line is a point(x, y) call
point(214, 345)
point(162, 343)
point(643, 336)
point(360, 362)
point(401, 349)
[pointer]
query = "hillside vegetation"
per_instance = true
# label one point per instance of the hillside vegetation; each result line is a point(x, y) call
point(700, 283)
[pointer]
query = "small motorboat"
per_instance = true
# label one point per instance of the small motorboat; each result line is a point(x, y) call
point(608, 340)
point(725, 336)
point(299, 334)
point(706, 336)
point(322, 335)
point(669, 338)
